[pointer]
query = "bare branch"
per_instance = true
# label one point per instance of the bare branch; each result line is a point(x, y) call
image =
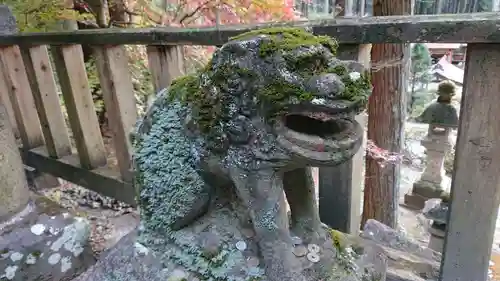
point(189, 15)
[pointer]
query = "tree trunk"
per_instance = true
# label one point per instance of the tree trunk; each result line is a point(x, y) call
point(14, 193)
point(118, 12)
point(386, 115)
point(100, 8)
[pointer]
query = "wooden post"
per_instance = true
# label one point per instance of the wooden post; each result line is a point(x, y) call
point(166, 63)
point(340, 186)
point(475, 191)
point(7, 17)
point(5, 100)
point(74, 83)
point(119, 99)
point(44, 88)
point(21, 97)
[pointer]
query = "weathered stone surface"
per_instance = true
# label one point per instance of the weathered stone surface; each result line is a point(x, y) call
point(438, 213)
point(7, 20)
point(40, 245)
point(406, 260)
point(131, 261)
point(126, 261)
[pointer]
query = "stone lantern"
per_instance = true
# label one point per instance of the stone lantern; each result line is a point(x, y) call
point(442, 117)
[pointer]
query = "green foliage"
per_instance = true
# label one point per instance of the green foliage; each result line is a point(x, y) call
point(425, 7)
point(420, 64)
point(484, 5)
point(41, 15)
point(95, 85)
point(421, 98)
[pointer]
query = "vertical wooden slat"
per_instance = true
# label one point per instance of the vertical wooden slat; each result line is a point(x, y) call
point(5, 100)
point(475, 187)
point(46, 98)
point(340, 186)
point(166, 63)
point(21, 98)
point(118, 91)
point(74, 83)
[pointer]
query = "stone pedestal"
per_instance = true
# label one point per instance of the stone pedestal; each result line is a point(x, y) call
point(439, 216)
point(436, 241)
point(429, 186)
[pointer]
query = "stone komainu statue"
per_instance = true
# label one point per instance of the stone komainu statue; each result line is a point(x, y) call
point(218, 150)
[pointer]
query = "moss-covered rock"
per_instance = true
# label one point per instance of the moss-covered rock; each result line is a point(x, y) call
point(287, 39)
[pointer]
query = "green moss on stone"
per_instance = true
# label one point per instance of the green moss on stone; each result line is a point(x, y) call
point(207, 110)
point(36, 254)
point(278, 95)
point(288, 38)
point(356, 90)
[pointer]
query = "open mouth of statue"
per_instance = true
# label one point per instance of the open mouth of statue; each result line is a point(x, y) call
point(320, 134)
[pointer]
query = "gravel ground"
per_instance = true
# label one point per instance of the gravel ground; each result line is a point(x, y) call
point(110, 219)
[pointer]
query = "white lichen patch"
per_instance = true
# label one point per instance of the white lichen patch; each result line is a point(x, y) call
point(140, 249)
point(354, 76)
point(54, 231)
point(30, 259)
point(73, 237)
point(318, 101)
point(177, 274)
point(38, 229)
point(10, 272)
point(16, 256)
point(54, 258)
point(65, 264)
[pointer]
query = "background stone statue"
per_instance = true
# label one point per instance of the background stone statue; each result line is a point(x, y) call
point(442, 117)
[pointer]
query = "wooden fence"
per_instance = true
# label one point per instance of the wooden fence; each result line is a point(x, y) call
point(29, 92)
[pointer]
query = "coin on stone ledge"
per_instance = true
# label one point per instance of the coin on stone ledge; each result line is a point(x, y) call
point(241, 245)
point(313, 248)
point(300, 251)
point(296, 240)
point(313, 257)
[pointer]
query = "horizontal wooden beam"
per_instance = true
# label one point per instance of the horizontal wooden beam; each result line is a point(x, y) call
point(450, 28)
point(101, 180)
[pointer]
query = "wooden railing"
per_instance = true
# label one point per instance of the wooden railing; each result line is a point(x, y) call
point(29, 92)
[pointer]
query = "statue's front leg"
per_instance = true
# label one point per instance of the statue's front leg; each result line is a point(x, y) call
point(262, 192)
point(301, 195)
